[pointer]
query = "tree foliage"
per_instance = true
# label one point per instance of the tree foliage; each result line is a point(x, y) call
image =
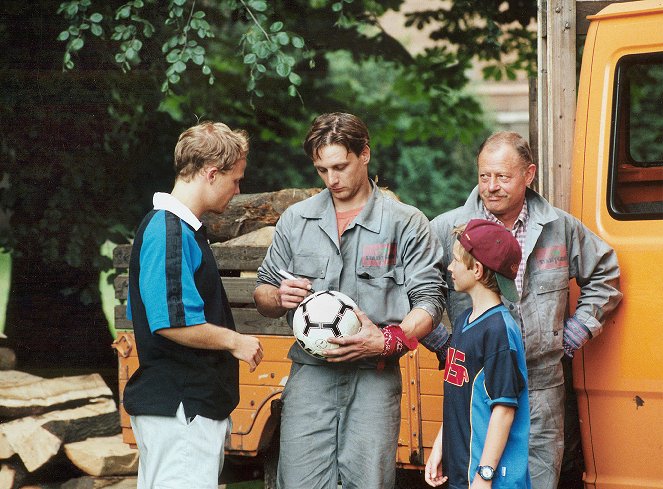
point(94, 95)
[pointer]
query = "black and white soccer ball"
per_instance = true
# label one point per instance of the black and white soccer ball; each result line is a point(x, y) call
point(322, 315)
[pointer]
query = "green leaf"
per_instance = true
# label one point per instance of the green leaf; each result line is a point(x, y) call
point(96, 30)
point(123, 12)
point(179, 2)
point(337, 7)
point(198, 59)
point(292, 91)
point(249, 59)
point(206, 70)
point(174, 78)
point(72, 9)
point(120, 58)
point(295, 79)
point(297, 42)
point(148, 29)
point(261, 67)
point(64, 35)
point(198, 14)
point(258, 5)
point(282, 38)
point(164, 86)
point(138, 4)
point(211, 80)
point(77, 44)
point(179, 66)
point(283, 69)
point(276, 26)
point(96, 17)
point(262, 49)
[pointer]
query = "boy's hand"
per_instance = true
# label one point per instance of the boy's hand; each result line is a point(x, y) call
point(433, 474)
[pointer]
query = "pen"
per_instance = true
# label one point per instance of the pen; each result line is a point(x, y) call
point(290, 276)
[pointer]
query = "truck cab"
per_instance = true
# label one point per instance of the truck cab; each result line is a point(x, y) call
point(617, 191)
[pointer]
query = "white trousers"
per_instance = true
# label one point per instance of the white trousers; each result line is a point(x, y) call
point(176, 453)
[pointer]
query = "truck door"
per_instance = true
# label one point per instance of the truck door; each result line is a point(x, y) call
point(619, 376)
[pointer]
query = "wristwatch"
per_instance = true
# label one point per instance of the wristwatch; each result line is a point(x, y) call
point(486, 472)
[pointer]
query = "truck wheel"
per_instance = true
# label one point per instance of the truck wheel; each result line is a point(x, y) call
point(412, 479)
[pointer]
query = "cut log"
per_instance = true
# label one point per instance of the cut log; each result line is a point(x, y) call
point(90, 483)
point(104, 456)
point(261, 237)
point(23, 394)
point(100, 483)
point(248, 212)
point(38, 439)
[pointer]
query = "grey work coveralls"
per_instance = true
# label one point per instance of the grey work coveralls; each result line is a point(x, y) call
point(346, 417)
point(558, 248)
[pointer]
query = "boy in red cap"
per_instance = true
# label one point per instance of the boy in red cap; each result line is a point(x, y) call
point(486, 405)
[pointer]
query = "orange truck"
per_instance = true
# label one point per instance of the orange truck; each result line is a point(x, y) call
point(617, 191)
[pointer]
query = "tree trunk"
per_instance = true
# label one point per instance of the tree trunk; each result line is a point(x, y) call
point(47, 328)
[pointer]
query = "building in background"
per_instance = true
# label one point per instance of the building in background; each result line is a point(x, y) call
point(506, 103)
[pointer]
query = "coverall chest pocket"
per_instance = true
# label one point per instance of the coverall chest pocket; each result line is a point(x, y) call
point(382, 294)
point(552, 297)
point(312, 267)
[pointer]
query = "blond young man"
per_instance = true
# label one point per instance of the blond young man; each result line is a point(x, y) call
point(182, 394)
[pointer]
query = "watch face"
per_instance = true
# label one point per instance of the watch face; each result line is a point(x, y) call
point(486, 472)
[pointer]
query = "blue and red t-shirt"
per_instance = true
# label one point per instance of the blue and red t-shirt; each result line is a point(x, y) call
point(174, 283)
point(485, 366)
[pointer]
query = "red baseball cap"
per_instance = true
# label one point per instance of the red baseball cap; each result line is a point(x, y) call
point(495, 247)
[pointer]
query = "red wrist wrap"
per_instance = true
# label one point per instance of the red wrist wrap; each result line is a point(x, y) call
point(395, 341)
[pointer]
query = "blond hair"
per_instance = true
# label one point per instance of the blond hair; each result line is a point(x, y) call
point(209, 143)
point(488, 278)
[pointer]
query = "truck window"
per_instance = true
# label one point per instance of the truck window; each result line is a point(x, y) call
point(635, 189)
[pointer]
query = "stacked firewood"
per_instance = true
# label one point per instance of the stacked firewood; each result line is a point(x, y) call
point(66, 425)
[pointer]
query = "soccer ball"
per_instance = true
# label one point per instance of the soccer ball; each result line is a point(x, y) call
point(322, 315)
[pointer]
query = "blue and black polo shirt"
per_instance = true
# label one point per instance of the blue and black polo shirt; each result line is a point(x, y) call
point(174, 282)
point(485, 367)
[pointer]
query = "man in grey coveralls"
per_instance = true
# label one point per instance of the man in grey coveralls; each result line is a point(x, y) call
point(557, 247)
point(341, 416)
